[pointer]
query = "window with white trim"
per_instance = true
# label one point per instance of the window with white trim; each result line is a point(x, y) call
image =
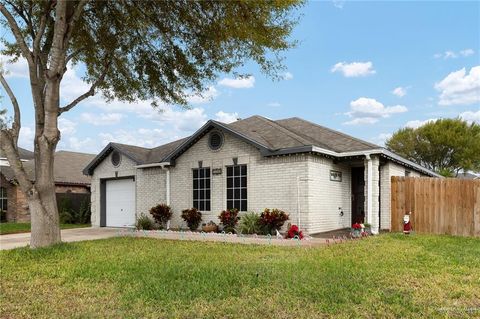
point(201, 188)
point(237, 187)
point(3, 199)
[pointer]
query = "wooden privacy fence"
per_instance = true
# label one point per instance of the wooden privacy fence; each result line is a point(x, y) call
point(438, 205)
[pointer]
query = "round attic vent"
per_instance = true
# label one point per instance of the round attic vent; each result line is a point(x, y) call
point(215, 140)
point(116, 158)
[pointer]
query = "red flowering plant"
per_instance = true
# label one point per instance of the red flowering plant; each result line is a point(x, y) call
point(229, 219)
point(294, 232)
point(272, 220)
point(357, 226)
point(192, 217)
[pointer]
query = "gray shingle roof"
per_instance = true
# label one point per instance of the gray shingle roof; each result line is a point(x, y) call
point(324, 137)
point(291, 135)
point(269, 134)
point(67, 168)
point(24, 154)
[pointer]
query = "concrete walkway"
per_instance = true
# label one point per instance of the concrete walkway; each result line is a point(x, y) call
point(77, 234)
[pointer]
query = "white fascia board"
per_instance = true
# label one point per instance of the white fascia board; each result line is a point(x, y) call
point(162, 165)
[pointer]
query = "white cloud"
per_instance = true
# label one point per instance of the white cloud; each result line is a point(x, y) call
point(354, 69)
point(399, 91)
point(204, 97)
point(140, 137)
point(86, 145)
point(225, 117)
point(471, 116)
point(449, 54)
point(362, 121)
point(182, 121)
point(102, 119)
point(25, 139)
point(66, 126)
point(338, 3)
point(368, 111)
point(460, 87)
point(238, 83)
point(17, 69)
point(381, 138)
point(418, 123)
point(467, 52)
point(287, 76)
point(274, 104)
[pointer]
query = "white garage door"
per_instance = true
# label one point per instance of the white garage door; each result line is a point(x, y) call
point(120, 203)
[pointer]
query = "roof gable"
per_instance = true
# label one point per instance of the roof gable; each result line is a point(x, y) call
point(210, 125)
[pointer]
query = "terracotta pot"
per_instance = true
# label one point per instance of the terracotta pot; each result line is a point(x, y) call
point(210, 228)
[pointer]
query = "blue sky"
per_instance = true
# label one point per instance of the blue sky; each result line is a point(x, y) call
point(364, 68)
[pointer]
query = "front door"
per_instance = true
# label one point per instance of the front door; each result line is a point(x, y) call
point(358, 195)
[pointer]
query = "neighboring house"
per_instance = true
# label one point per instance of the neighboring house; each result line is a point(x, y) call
point(323, 178)
point(68, 179)
point(467, 175)
point(8, 191)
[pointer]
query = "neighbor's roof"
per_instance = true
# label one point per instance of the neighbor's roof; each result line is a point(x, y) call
point(24, 154)
point(67, 168)
point(287, 136)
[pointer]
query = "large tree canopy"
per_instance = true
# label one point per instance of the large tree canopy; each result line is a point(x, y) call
point(447, 146)
point(131, 50)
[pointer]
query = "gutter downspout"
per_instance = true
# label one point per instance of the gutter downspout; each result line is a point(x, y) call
point(369, 189)
point(167, 186)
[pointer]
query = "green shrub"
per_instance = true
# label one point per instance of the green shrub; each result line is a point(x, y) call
point(272, 220)
point(162, 214)
point(84, 212)
point(250, 224)
point(65, 211)
point(144, 223)
point(70, 216)
point(3, 216)
point(192, 217)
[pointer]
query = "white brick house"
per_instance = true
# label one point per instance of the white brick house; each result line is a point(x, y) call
point(323, 178)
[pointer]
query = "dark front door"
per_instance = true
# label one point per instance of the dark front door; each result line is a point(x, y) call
point(358, 195)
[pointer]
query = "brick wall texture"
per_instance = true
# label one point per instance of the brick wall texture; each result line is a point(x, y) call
point(298, 184)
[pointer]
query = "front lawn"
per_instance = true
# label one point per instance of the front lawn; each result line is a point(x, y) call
point(14, 228)
point(386, 276)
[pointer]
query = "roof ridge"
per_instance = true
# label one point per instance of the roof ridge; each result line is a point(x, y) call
point(66, 151)
point(290, 133)
point(334, 131)
point(145, 148)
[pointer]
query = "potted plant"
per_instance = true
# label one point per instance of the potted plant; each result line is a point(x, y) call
point(192, 217)
point(356, 230)
point(210, 227)
point(162, 214)
point(229, 219)
point(272, 220)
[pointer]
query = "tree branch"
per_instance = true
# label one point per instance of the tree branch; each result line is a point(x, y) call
point(90, 92)
point(41, 29)
point(16, 108)
point(18, 34)
point(11, 150)
point(73, 20)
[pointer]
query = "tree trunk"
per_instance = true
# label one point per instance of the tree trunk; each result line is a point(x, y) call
point(44, 217)
point(43, 204)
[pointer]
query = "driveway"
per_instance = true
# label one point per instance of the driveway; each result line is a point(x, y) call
point(77, 234)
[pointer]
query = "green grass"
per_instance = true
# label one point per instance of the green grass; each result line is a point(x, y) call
point(14, 228)
point(388, 276)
